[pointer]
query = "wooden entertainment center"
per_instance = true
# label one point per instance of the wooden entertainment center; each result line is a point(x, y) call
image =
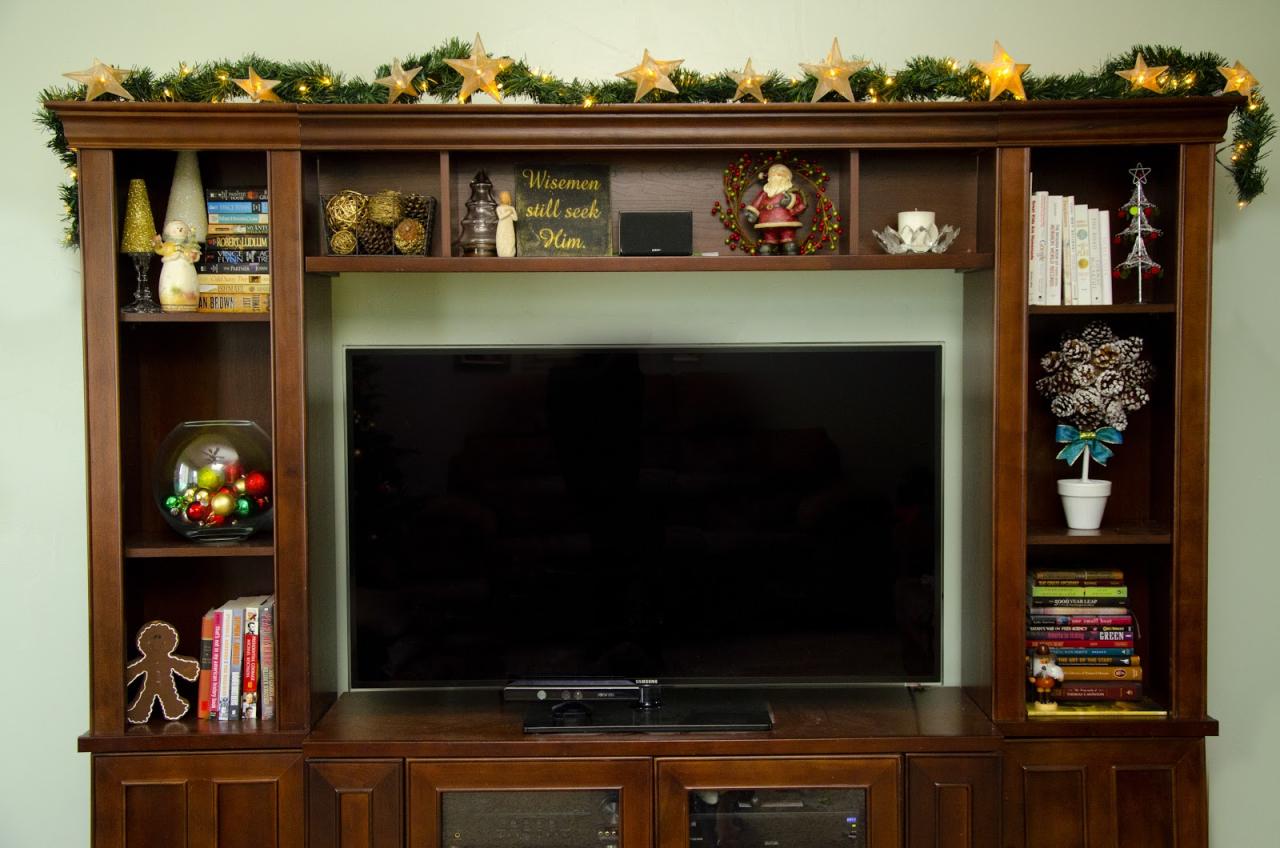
point(944, 766)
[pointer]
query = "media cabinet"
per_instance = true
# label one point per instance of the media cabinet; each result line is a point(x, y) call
point(948, 766)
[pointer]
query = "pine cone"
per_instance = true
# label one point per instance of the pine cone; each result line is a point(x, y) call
point(1097, 333)
point(374, 238)
point(419, 207)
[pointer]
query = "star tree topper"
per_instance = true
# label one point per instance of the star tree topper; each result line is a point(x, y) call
point(1142, 76)
point(1238, 79)
point(257, 88)
point(400, 81)
point(652, 73)
point(748, 82)
point(479, 72)
point(100, 79)
point(1004, 74)
point(833, 73)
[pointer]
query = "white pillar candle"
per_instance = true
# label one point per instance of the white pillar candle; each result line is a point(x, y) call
point(916, 219)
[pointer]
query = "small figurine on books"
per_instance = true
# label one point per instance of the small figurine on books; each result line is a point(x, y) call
point(507, 218)
point(157, 666)
point(1045, 675)
point(178, 251)
point(775, 212)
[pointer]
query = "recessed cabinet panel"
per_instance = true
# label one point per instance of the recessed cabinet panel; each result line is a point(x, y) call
point(762, 818)
point(530, 803)
point(770, 803)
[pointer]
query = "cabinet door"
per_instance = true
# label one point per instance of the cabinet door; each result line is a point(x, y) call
point(530, 803)
point(355, 804)
point(953, 801)
point(198, 801)
point(797, 802)
point(1103, 794)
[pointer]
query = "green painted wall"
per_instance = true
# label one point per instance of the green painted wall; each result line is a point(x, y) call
point(44, 784)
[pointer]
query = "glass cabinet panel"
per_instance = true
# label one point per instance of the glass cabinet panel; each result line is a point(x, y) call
point(777, 818)
point(535, 818)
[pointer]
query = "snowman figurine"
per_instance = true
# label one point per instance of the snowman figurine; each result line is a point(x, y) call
point(178, 253)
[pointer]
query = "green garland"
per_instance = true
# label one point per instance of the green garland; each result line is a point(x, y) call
point(922, 79)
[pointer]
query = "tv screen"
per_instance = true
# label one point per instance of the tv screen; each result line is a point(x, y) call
point(702, 515)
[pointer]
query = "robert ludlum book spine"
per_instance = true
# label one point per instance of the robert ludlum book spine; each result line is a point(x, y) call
point(238, 241)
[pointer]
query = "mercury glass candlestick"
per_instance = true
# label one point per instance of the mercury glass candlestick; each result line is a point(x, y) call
point(136, 242)
point(479, 233)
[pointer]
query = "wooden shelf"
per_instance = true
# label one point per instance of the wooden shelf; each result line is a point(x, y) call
point(191, 734)
point(1126, 534)
point(1104, 727)
point(141, 547)
point(1109, 309)
point(192, 317)
point(728, 262)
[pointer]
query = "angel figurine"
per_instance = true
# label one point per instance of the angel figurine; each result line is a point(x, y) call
point(178, 251)
point(507, 218)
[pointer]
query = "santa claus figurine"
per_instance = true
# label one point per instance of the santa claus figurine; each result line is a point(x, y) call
point(775, 213)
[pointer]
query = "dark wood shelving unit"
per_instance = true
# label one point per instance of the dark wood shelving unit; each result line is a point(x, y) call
point(725, 262)
point(960, 765)
point(172, 546)
point(1109, 309)
point(1123, 534)
point(193, 317)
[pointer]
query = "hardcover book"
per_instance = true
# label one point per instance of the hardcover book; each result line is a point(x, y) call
point(206, 665)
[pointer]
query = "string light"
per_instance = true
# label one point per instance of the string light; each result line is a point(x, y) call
point(184, 70)
point(302, 88)
point(588, 102)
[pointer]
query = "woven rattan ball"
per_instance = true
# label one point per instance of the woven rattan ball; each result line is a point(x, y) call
point(346, 210)
point(343, 243)
point(385, 208)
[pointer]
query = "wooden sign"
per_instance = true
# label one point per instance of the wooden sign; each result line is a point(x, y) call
point(563, 210)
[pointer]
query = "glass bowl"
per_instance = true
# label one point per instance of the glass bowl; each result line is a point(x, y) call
point(213, 480)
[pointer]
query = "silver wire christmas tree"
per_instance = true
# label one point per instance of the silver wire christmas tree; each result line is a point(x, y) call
point(1139, 211)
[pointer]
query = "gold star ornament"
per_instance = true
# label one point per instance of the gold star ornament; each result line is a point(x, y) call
point(257, 88)
point(100, 79)
point(833, 74)
point(400, 81)
point(1004, 74)
point(1238, 79)
point(1143, 76)
point(652, 73)
point(748, 83)
point(479, 72)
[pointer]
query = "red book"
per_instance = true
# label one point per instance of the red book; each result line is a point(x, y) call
point(1032, 644)
point(206, 664)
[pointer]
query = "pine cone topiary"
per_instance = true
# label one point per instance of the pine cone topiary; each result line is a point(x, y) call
point(409, 236)
point(374, 238)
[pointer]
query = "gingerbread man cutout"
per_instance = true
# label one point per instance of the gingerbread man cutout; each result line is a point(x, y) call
point(157, 665)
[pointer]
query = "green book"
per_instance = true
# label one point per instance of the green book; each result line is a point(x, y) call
point(1079, 591)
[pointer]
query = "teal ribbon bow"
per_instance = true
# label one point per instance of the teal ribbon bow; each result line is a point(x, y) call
point(1094, 441)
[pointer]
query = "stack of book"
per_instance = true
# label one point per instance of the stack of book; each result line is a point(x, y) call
point(235, 271)
point(1082, 616)
point(238, 661)
point(1070, 253)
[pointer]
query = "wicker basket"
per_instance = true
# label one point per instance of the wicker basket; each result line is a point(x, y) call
point(428, 225)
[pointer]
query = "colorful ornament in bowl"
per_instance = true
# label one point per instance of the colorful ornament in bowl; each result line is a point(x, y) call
point(212, 480)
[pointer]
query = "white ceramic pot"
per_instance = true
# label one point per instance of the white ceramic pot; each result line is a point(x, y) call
point(1084, 502)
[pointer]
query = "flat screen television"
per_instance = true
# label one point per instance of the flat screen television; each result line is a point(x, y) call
point(762, 515)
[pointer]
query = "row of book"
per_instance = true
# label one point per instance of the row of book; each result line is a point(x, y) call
point(1082, 617)
point(235, 270)
point(1070, 253)
point(238, 660)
